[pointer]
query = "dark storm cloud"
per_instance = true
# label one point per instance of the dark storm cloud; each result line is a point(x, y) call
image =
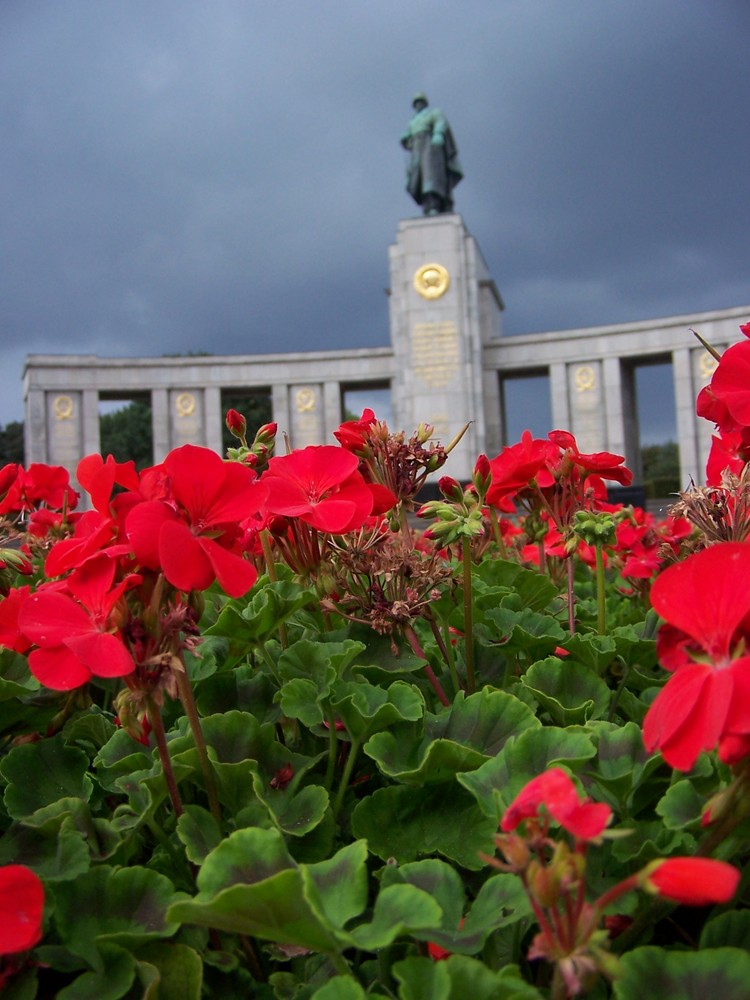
point(227, 176)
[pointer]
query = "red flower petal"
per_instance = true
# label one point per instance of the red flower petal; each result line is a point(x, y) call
point(21, 909)
point(58, 669)
point(235, 575)
point(182, 559)
point(694, 881)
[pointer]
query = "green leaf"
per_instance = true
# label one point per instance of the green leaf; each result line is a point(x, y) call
point(269, 606)
point(55, 852)
point(109, 981)
point(180, 970)
point(340, 988)
point(532, 589)
point(458, 978)
point(365, 708)
point(198, 832)
point(91, 728)
point(437, 878)
point(525, 631)
point(405, 823)
point(730, 929)
point(683, 975)
point(460, 738)
point(422, 979)
point(250, 885)
point(497, 782)
point(337, 887)
point(124, 906)
point(595, 651)
point(682, 806)
point(294, 812)
point(399, 910)
point(41, 773)
point(570, 692)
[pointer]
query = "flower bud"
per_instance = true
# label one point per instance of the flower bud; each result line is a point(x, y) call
point(236, 424)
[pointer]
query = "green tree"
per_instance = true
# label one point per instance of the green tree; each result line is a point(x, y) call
point(661, 468)
point(127, 434)
point(12, 443)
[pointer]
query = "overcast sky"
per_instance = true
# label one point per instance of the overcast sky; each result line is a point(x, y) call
point(226, 176)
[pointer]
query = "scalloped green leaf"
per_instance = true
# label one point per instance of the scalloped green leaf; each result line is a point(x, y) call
point(251, 885)
point(39, 774)
point(407, 823)
point(180, 971)
point(681, 806)
point(54, 852)
point(571, 692)
point(269, 606)
point(460, 738)
point(111, 980)
point(399, 909)
point(437, 878)
point(496, 783)
point(340, 988)
point(683, 975)
point(524, 630)
point(595, 651)
point(533, 589)
point(365, 708)
point(198, 832)
point(730, 929)
point(338, 886)
point(126, 907)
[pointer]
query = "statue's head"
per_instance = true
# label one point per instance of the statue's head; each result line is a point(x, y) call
point(420, 99)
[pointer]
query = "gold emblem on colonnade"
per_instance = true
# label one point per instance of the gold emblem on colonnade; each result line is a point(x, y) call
point(62, 407)
point(185, 404)
point(431, 281)
point(585, 378)
point(708, 365)
point(304, 400)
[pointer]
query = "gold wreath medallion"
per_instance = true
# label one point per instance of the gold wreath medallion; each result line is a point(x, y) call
point(431, 281)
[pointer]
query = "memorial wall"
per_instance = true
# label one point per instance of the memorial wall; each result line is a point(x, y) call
point(446, 365)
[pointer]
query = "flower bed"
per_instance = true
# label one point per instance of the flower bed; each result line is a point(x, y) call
point(261, 737)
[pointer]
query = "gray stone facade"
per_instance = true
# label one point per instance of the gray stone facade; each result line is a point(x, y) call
point(446, 366)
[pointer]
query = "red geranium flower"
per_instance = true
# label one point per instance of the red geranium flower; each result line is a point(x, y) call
point(193, 535)
point(730, 383)
point(704, 601)
point(352, 434)
point(319, 485)
point(692, 881)
point(75, 633)
point(555, 791)
point(21, 909)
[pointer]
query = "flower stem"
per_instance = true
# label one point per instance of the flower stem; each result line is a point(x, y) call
point(571, 595)
point(601, 600)
point(191, 710)
point(346, 776)
point(157, 728)
point(411, 636)
point(468, 619)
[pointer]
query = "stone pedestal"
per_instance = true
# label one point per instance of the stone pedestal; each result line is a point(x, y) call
point(443, 309)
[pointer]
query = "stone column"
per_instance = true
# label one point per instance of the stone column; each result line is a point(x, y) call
point(686, 422)
point(281, 415)
point(213, 419)
point(622, 427)
point(702, 365)
point(439, 322)
point(186, 417)
point(65, 429)
point(160, 424)
point(332, 410)
point(90, 422)
point(587, 405)
point(307, 417)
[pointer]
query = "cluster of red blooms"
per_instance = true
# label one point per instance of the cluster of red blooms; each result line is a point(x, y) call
point(725, 401)
point(573, 932)
point(121, 578)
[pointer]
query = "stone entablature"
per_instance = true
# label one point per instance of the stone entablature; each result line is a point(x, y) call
point(445, 366)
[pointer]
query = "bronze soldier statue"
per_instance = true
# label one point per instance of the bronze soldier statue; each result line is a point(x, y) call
point(433, 169)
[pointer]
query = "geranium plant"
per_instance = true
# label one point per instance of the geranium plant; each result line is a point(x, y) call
point(273, 727)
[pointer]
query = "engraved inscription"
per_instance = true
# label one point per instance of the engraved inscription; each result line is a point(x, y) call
point(434, 352)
